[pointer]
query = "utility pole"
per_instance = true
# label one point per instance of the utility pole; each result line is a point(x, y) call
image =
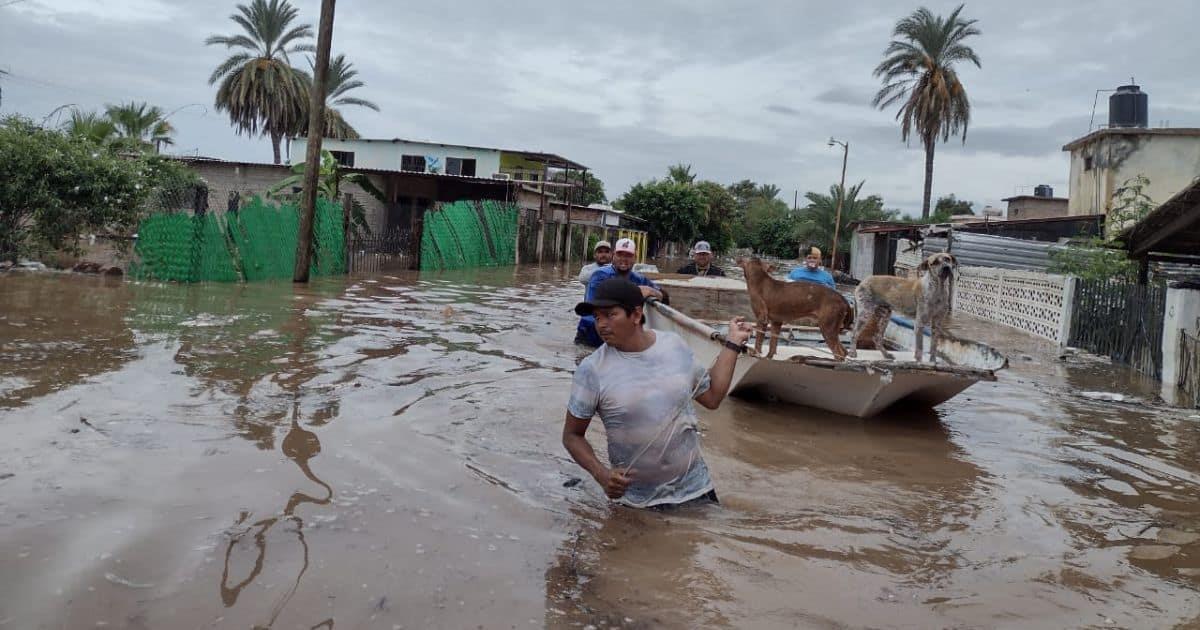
point(837, 221)
point(312, 155)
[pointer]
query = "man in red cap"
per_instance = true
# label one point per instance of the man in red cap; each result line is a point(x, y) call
point(621, 267)
point(641, 382)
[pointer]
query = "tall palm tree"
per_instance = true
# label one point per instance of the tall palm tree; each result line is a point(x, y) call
point(257, 85)
point(340, 80)
point(918, 74)
point(817, 220)
point(90, 126)
point(140, 124)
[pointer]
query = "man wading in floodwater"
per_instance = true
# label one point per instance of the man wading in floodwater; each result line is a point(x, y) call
point(642, 382)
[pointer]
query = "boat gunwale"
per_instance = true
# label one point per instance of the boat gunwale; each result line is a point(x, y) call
point(714, 336)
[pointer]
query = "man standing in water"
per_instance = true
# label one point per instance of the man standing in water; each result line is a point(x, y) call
point(811, 270)
point(601, 255)
point(701, 264)
point(641, 383)
point(621, 267)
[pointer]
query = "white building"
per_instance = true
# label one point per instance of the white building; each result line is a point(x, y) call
point(445, 159)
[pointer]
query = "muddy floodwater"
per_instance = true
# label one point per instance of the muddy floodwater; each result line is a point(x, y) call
point(385, 452)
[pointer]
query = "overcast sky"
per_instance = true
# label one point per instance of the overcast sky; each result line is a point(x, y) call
point(749, 90)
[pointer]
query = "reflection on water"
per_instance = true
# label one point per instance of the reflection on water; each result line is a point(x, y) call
point(443, 497)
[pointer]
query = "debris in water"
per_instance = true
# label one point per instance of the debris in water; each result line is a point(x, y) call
point(116, 579)
point(1107, 396)
point(572, 482)
point(448, 312)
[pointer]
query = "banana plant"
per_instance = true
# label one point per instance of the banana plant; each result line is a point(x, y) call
point(330, 181)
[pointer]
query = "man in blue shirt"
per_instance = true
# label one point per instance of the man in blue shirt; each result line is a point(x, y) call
point(811, 270)
point(622, 266)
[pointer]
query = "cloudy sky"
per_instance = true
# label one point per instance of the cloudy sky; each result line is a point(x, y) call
point(749, 90)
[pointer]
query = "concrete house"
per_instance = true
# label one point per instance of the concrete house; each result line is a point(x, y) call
point(1103, 160)
point(1042, 204)
point(460, 160)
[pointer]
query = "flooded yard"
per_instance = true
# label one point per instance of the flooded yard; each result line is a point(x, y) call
point(385, 452)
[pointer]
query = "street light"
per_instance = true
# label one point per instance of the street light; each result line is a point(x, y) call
point(837, 221)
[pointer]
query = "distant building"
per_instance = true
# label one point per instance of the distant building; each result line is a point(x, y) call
point(460, 160)
point(1042, 204)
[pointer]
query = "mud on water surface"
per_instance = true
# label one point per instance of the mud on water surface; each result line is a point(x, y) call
point(384, 452)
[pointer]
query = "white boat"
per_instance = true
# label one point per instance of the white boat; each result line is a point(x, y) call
point(804, 371)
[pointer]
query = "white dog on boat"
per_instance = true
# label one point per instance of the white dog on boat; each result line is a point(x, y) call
point(925, 298)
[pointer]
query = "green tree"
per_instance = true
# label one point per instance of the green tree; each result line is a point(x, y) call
point(681, 174)
point(918, 75)
point(720, 213)
point(257, 86)
point(331, 181)
point(817, 219)
point(54, 187)
point(1103, 257)
point(672, 211)
point(952, 206)
point(769, 228)
point(589, 189)
point(341, 80)
point(90, 126)
point(140, 125)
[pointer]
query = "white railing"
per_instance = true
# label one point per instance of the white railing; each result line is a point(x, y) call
point(1035, 302)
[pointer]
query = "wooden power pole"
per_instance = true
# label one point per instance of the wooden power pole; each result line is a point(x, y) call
point(312, 154)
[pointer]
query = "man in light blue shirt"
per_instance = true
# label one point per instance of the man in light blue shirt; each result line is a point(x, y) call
point(811, 270)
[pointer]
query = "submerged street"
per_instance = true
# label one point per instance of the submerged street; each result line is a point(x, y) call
point(384, 452)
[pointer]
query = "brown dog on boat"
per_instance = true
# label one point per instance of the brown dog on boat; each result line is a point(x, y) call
point(779, 302)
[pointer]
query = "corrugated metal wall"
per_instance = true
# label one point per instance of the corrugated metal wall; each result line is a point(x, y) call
point(983, 250)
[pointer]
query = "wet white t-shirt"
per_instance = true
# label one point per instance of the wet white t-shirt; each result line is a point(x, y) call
point(637, 396)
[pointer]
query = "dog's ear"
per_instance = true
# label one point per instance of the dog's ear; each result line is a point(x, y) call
point(770, 267)
point(924, 266)
point(953, 260)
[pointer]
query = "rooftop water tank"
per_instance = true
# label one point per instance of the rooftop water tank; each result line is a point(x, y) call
point(1128, 107)
point(1043, 191)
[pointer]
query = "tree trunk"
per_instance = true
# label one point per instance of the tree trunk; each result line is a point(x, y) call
point(930, 145)
point(276, 138)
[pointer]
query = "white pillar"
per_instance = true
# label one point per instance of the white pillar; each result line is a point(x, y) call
point(1068, 310)
point(1182, 313)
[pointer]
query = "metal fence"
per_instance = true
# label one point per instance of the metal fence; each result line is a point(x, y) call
point(1121, 320)
point(1189, 373)
point(380, 252)
point(985, 250)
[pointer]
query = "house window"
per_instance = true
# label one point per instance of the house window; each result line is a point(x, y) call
point(1087, 163)
point(345, 158)
point(415, 163)
point(460, 166)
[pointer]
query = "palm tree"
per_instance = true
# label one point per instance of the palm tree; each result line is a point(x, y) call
point(918, 74)
point(258, 87)
point(90, 126)
point(140, 124)
point(340, 80)
point(767, 191)
point(817, 220)
point(681, 174)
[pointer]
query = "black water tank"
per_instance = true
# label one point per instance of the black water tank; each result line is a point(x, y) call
point(1043, 191)
point(1128, 107)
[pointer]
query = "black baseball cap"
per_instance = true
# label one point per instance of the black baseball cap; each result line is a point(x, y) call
point(612, 292)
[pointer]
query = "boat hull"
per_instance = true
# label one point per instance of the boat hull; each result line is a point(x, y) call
point(861, 387)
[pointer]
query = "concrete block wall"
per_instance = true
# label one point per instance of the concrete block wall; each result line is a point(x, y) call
point(1182, 314)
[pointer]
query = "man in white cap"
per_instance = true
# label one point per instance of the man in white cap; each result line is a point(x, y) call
point(621, 267)
point(601, 255)
point(701, 264)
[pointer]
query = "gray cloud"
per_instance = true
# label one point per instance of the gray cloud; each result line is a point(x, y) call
point(629, 88)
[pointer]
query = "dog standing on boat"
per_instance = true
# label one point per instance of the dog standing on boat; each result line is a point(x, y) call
point(779, 302)
point(925, 297)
